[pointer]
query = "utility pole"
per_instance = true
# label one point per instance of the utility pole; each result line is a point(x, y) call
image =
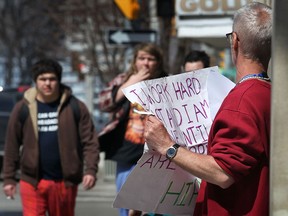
point(165, 13)
point(279, 118)
point(89, 84)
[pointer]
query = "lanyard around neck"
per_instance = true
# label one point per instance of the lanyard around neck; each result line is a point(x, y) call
point(261, 76)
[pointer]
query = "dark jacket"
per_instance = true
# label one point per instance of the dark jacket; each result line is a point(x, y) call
point(21, 146)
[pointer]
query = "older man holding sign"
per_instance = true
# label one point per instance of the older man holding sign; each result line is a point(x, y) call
point(235, 171)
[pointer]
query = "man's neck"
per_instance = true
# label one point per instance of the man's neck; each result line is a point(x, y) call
point(47, 99)
point(246, 67)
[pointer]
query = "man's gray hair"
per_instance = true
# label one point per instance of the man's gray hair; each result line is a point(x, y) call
point(253, 26)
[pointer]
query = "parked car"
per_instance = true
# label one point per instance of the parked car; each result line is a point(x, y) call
point(8, 98)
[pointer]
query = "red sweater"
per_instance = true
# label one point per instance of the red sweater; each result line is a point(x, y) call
point(239, 141)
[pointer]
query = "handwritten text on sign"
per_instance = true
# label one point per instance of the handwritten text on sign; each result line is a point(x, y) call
point(181, 104)
point(158, 185)
point(175, 194)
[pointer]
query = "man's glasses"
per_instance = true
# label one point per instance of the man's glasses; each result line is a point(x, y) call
point(229, 37)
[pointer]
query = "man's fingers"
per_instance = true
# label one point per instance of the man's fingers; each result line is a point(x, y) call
point(88, 182)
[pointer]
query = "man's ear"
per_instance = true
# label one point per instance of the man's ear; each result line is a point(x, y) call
point(235, 41)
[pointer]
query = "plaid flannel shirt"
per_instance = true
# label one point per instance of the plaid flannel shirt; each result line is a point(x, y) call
point(107, 103)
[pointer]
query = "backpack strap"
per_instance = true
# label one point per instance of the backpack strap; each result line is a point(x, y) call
point(76, 113)
point(23, 113)
point(75, 108)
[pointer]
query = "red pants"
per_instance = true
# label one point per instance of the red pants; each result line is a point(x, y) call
point(50, 196)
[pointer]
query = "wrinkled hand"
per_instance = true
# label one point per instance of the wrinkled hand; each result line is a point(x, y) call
point(88, 182)
point(10, 191)
point(156, 135)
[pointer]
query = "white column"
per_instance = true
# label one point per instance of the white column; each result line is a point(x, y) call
point(279, 130)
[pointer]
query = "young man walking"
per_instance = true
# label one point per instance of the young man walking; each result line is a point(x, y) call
point(50, 144)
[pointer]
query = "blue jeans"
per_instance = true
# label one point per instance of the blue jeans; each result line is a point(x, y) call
point(122, 171)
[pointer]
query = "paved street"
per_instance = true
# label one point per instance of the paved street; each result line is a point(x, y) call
point(97, 202)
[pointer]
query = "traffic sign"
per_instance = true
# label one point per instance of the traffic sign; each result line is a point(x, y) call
point(130, 37)
point(130, 8)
